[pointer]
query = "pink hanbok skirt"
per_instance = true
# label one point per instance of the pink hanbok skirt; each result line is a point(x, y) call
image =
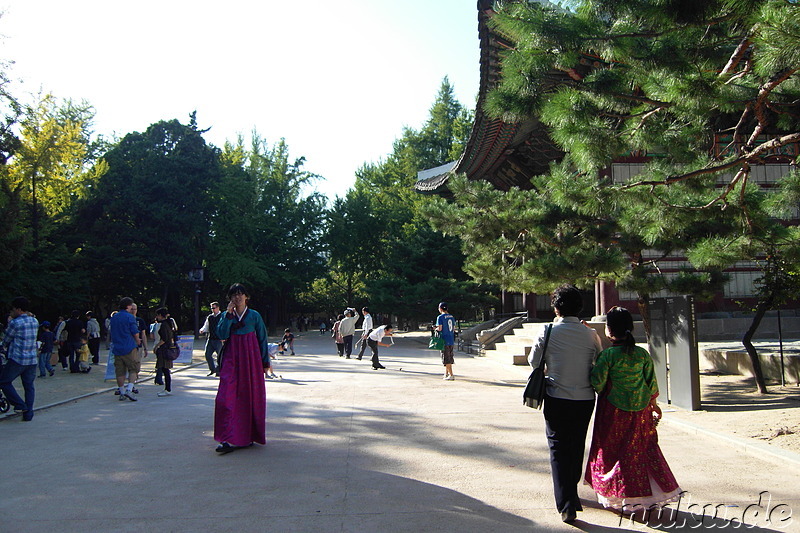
point(240, 409)
point(626, 467)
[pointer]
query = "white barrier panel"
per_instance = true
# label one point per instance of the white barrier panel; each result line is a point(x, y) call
point(186, 345)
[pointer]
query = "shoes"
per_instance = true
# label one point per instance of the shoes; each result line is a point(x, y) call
point(225, 448)
point(207, 375)
point(52, 372)
point(568, 516)
point(357, 358)
point(448, 378)
point(116, 392)
point(20, 410)
point(27, 416)
point(164, 393)
point(378, 367)
point(348, 357)
point(159, 382)
point(129, 396)
point(135, 390)
point(293, 353)
point(42, 375)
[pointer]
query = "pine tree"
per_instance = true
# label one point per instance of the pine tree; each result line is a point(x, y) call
point(708, 89)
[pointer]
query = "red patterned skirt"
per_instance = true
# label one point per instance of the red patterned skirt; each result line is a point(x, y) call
point(626, 467)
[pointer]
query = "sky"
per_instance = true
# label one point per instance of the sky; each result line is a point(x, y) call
point(338, 79)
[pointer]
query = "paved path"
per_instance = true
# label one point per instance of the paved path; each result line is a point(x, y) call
point(349, 449)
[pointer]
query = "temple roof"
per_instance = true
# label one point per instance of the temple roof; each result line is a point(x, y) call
point(503, 153)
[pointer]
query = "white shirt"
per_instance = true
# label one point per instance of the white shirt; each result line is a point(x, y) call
point(378, 334)
point(568, 361)
point(367, 325)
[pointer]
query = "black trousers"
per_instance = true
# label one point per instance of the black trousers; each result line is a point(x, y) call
point(373, 345)
point(348, 345)
point(94, 349)
point(566, 424)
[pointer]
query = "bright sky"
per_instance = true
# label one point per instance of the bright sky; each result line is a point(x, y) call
point(338, 79)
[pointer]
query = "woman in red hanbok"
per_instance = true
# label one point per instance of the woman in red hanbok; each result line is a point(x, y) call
point(240, 408)
point(626, 467)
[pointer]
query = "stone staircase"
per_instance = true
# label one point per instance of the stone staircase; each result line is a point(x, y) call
point(516, 344)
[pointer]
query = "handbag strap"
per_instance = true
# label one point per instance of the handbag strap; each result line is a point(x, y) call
point(546, 340)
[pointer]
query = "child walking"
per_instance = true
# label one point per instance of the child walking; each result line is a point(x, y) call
point(47, 339)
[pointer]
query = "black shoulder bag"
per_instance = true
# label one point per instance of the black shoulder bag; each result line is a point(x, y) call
point(534, 390)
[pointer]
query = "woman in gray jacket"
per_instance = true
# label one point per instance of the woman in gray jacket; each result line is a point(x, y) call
point(569, 396)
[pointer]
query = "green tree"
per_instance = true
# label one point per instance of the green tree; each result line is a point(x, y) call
point(706, 89)
point(267, 233)
point(377, 236)
point(147, 222)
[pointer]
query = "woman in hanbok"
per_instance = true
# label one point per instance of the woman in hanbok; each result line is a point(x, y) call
point(626, 467)
point(240, 408)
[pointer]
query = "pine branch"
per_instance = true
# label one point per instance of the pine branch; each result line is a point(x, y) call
point(743, 159)
point(743, 173)
point(737, 56)
point(763, 93)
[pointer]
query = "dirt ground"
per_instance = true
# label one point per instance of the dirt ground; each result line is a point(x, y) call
point(732, 405)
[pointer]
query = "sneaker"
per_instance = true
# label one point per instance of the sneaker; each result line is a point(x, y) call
point(164, 393)
point(135, 390)
point(129, 396)
point(121, 397)
point(449, 378)
point(116, 392)
point(52, 372)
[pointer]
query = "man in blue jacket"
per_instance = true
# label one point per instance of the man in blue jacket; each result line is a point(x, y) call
point(125, 347)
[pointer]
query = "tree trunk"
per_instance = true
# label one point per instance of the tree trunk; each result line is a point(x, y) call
point(761, 310)
point(644, 310)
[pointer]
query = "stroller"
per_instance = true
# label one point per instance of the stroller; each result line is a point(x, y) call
point(4, 405)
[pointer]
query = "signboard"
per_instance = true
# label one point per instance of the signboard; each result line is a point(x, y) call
point(186, 344)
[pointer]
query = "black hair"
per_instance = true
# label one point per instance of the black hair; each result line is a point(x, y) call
point(162, 311)
point(365, 309)
point(387, 326)
point(20, 302)
point(125, 302)
point(341, 316)
point(76, 313)
point(567, 300)
point(89, 314)
point(238, 288)
point(620, 324)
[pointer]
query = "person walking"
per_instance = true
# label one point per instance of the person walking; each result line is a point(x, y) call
point(47, 339)
point(240, 407)
point(366, 329)
point(347, 327)
point(446, 326)
point(569, 396)
point(125, 348)
point(19, 343)
point(626, 467)
point(167, 335)
point(61, 341)
point(374, 340)
point(75, 328)
point(213, 343)
point(337, 335)
point(93, 333)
